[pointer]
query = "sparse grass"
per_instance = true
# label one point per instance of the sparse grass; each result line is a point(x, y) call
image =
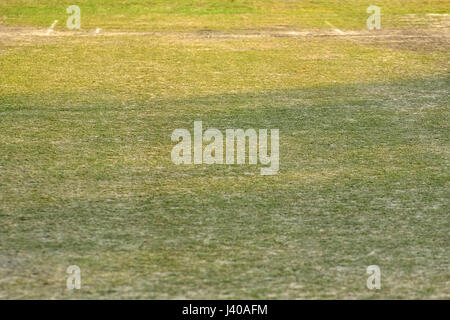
point(86, 176)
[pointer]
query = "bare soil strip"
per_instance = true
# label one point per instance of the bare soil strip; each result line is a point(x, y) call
point(407, 38)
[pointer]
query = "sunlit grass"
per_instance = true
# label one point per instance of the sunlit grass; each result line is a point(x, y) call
point(184, 15)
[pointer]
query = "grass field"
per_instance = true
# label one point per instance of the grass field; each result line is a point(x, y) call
point(86, 176)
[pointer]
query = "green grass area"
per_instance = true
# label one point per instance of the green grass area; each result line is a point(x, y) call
point(86, 176)
point(183, 15)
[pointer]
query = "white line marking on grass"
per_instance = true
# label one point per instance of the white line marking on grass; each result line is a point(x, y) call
point(334, 28)
point(50, 30)
point(438, 14)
